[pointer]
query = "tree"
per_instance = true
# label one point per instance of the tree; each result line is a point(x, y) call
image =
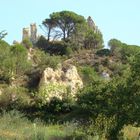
point(115, 46)
point(49, 24)
point(93, 40)
point(42, 43)
point(19, 59)
point(122, 50)
point(118, 99)
point(2, 34)
point(134, 87)
point(66, 22)
point(78, 37)
point(5, 61)
point(73, 29)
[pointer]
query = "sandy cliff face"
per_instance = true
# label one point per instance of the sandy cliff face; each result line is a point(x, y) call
point(60, 82)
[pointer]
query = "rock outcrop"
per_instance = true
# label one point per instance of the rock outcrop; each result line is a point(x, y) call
point(62, 82)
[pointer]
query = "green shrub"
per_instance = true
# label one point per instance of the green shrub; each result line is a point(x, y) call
point(101, 126)
point(60, 106)
point(55, 98)
point(88, 74)
point(43, 60)
point(105, 62)
point(103, 52)
point(57, 48)
point(42, 43)
point(47, 92)
point(14, 97)
point(68, 51)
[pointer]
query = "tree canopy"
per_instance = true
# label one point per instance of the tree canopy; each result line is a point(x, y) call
point(66, 21)
point(62, 24)
point(70, 28)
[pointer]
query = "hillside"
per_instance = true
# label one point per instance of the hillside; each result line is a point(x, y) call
point(68, 80)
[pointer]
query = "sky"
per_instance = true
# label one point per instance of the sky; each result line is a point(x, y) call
point(118, 19)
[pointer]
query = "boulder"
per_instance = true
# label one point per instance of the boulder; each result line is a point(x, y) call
point(61, 82)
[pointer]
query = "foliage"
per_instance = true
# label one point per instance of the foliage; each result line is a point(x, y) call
point(2, 34)
point(42, 43)
point(114, 44)
point(57, 48)
point(101, 126)
point(122, 50)
point(103, 52)
point(68, 29)
point(68, 51)
point(66, 21)
point(51, 90)
point(43, 60)
point(117, 68)
point(27, 43)
point(88, 74)
point(5, 61)
point(129, 51)
point(14, 125)
point(57, 106)
point(53, 48)
point(14, 98)
point(93, 40)
point(19, 59)
point(49, 24)
point(115, 98)
point(108, 105)
point(77, 39)
point(130, 132)
point(13, 60)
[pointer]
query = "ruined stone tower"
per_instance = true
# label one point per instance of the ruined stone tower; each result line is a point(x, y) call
point(25, 33)
point(30, 34)
point(33, 31)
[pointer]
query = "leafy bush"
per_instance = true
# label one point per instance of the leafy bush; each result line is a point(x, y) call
point(103, 52)
point(46, 93)
point(19, 59)
point(100, 127)
point(88, 74)
point(68, 51)
point(43, 60)
point(42, 43)
point(14, 97)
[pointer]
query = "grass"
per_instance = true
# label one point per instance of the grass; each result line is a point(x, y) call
point(14, 126)
point(131, 132)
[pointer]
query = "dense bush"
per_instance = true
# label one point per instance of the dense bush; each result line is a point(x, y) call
point(14, 97)
point(88, 74)
point(103, 52)
point(53, 48)
point(58, 106)
point(42, 43)
point(43, 60)
point(113, 99)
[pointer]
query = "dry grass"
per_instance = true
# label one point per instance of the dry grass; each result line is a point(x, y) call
point(130, 132)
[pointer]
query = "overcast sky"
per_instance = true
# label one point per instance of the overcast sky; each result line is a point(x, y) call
point(115, 18)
